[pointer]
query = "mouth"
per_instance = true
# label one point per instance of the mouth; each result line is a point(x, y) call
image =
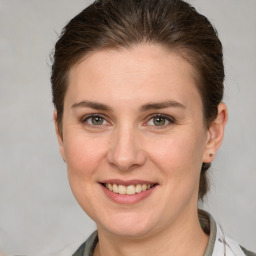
point(131, 189)
point(128, 192)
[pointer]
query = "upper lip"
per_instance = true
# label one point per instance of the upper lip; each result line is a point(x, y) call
point(127, 182)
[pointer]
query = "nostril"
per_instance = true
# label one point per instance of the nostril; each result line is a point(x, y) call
point(125, 150)
point(125, 160)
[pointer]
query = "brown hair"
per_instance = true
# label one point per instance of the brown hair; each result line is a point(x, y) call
point(174, 24)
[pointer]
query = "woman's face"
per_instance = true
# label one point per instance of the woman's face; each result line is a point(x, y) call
point(133, 123)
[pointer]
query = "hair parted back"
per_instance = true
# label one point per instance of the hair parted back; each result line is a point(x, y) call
point(173, 24)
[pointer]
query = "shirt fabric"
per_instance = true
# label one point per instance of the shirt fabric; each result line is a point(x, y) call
point(218, 245)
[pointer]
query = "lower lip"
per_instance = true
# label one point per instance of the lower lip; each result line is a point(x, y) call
point(127, 199)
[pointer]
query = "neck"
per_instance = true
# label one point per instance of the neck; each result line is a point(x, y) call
point(183, 238)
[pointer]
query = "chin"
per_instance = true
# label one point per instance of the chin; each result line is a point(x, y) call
point(128, 231)
point(128, 225)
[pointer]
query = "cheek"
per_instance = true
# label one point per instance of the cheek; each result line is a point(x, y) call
point(83, 152)
point(179, 162)
point(84, 156)
point(178, 155)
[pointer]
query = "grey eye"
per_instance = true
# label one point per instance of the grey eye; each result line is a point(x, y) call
point(159, 121)
point(97, 120)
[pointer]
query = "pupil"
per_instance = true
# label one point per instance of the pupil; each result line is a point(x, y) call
point(158, 121)
point(97, 120)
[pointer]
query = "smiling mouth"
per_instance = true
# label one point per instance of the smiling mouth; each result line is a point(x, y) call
point(128, 190)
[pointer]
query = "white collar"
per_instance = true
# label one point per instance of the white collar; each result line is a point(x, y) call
point(225, 246)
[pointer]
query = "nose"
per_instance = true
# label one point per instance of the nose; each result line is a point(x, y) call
point(126, 150)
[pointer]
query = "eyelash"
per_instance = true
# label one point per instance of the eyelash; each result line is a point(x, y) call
point(85, 119)
point(168, 118)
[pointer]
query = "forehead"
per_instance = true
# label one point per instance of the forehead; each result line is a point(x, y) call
point(149, 70)
point(141, 57)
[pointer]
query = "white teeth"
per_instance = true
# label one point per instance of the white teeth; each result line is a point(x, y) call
point(121, 190)
point(138, 188)
point(128, 190)
point(109, 186)
point(144, 187)
point(115, 188)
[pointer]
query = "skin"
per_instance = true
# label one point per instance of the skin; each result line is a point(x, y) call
point(129, 145)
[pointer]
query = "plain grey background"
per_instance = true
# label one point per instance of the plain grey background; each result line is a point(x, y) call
point(38, 214)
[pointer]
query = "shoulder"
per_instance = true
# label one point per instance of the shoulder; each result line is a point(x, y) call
point(80, 250)
point(219, 243)
point(230, 246)
point(248, 253)
point(87, 248)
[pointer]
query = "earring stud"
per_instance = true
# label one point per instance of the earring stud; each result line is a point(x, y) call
point(210, 155)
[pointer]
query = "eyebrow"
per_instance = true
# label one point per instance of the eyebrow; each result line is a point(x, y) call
point(143, 108)
point(161, 105)
point(93, 105)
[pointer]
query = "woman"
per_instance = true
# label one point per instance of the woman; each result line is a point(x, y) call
point(137, 88)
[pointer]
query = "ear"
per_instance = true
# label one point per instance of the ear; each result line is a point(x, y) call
point(215, 133)
point(59, 136)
